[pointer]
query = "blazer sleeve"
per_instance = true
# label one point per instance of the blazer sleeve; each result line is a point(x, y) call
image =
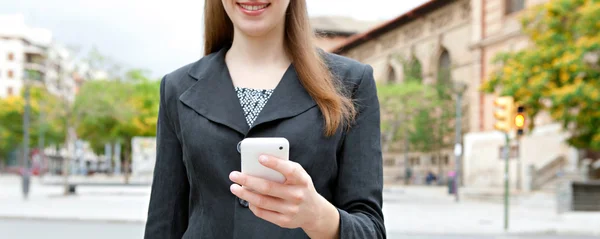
point(358, 194)
point(169, 197)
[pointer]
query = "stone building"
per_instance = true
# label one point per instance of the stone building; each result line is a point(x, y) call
point(332, 31)
point(463, 36)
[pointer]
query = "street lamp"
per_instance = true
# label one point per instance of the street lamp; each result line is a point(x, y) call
point(28, 75)
point(459, 89)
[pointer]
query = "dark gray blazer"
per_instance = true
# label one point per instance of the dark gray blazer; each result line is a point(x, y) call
point(200, 124)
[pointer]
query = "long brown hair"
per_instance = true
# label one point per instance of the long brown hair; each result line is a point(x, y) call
point(337, 108)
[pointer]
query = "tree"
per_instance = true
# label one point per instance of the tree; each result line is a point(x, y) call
point(418, 115)
point(559, 73)
point(399, 104)
point(43, 104)
point(110, 111)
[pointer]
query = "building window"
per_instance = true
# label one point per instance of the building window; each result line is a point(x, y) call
point(389, 162)
point(446, 160)
point(9, 91)
point(444, 65)
point(10, 74)
point(415, 161)
point(391, 75)
point(513, 6)
point(11, 56)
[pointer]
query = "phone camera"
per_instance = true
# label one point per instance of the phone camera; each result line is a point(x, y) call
point(280, 147)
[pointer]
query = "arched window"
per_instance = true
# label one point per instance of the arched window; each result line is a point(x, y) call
point(412, 70)
point(513, 6)
point(444, 68)
point(391, 77)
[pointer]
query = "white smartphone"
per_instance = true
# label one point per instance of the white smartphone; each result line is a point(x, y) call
point(252, 148)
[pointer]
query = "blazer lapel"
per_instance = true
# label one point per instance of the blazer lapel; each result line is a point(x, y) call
point(288, 99)
point(213, 94)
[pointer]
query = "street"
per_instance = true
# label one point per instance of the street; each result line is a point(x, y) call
point(34, 229)
point(410, 212)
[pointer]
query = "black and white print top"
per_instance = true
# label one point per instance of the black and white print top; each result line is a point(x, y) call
point(252, 101)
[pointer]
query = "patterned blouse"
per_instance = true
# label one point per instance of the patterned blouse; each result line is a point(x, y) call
point(252, 101)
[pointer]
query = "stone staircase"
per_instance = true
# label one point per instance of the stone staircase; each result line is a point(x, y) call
point(547, 177)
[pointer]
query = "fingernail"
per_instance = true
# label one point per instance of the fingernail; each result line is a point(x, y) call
point(263, 159)
point(234, 175)
point(233, 188)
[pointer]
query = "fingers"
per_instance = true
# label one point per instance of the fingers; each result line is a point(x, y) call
point(293, 172)
point(260, 185)
point(263, 201)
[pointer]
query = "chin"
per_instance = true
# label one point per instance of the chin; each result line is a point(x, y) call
point(254, 29)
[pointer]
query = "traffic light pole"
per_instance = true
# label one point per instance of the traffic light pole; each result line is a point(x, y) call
point(506, 177)
point(507, 122)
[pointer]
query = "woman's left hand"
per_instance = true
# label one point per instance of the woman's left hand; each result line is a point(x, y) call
point(292, 204)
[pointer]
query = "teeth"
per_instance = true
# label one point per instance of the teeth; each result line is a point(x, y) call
point(253, 7)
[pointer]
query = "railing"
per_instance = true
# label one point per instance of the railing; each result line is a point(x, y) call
point(550, 171)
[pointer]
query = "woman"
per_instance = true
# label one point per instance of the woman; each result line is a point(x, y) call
point(263, 77)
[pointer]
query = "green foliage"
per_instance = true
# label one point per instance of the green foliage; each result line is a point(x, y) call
point(416, 113)
point(560, 72)
point(412, 69)
point(110, 111)
point(44, 118)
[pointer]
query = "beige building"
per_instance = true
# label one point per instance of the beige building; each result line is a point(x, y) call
point(463, 35)
point(332, 31)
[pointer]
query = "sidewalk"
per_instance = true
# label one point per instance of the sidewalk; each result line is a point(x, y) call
point(415, 210)
point(102, 203)
point(412, 210)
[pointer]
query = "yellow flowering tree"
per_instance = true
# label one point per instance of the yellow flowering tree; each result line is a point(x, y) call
point(560, 72)
point(45, 118)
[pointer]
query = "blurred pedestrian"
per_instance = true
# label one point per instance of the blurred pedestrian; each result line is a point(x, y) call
point(408, 176)
point(430, 178)
point(451, 185)
point(263, 76)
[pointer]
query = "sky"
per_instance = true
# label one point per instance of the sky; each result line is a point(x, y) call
point(159, 35)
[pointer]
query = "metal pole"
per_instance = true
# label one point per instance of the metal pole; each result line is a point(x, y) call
point(506, 192)
point(519, 174)
point(458, 146)
point(41, 143)
point(73, 164)
point(406, 164)
point(26, 166)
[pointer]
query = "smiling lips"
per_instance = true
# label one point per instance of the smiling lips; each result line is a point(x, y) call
point(253, 8)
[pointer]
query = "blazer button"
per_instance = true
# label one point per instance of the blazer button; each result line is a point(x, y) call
point(238, 147)
point(243, 202)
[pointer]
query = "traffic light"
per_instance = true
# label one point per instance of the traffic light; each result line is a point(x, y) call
point(520, 120)
point(504, 114)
